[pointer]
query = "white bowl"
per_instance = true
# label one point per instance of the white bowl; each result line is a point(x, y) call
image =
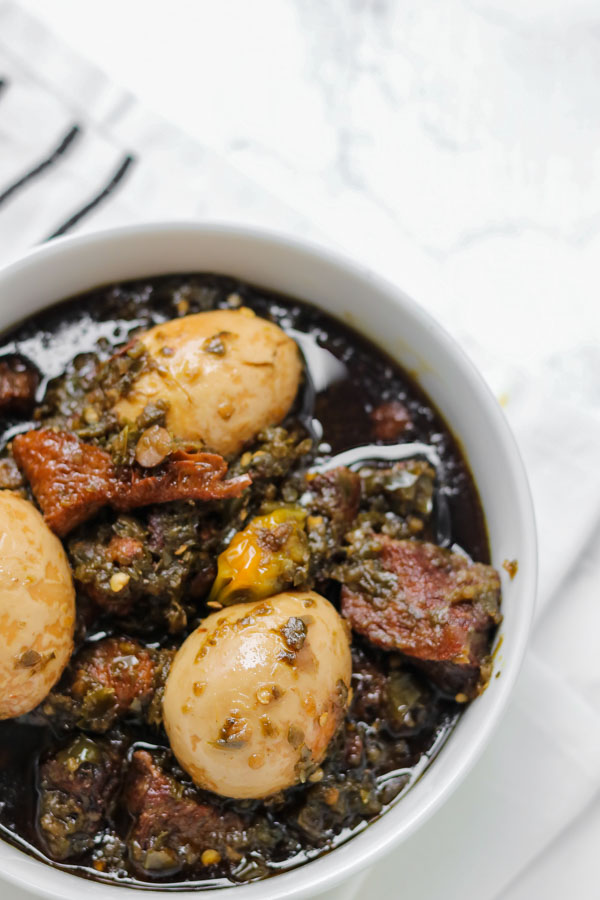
point(397, 324)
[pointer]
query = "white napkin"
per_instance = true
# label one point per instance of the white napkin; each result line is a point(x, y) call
point(541, 770)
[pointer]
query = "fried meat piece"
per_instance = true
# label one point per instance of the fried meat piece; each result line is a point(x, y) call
point(77, 790)
point(109, 680)
point(72, 480)
point(171, 828)
point(440, 613)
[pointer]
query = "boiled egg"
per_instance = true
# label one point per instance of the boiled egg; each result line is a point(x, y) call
point(257, 692)
point(225, 375)
point(37, 607)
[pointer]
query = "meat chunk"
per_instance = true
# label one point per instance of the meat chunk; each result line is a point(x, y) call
point(334, 804)
point(77, 791)
point(390, 421)
point(109, 680)
point(124, 550)
point(159, 563)
point(440, 611)
point(18, 384)
point(397, 700)
point(185, 476)
point(335, 494)
point(393, 715)
point(123, 668)
point(172, 829)
point(72, 480)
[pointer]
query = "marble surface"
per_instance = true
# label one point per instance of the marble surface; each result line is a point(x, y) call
point(454, 147)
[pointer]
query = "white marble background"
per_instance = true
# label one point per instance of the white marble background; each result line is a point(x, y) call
point(452, 145)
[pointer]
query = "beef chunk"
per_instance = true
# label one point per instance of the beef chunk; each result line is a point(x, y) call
point(109, 680)
point(336, 495)
point(390, 421)
point(124, 550)
point(119, 667)
point(186, 476)
point(160, 563)
point(338, 803)
point(440, 612)
point(394, 713)
point(18, 384)
point(172, 827)
point(72, 480)
point(77, 791)
point(396, 699)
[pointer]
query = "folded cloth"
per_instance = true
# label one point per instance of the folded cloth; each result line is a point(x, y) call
point(79, 153)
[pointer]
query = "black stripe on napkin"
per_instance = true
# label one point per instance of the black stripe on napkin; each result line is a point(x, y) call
point(106, 191)
point(3, 84)
point(43, 165)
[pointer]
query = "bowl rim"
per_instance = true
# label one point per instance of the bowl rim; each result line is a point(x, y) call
point(329, 870)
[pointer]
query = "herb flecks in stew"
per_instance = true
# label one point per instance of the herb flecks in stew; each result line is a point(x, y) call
point(188, 465)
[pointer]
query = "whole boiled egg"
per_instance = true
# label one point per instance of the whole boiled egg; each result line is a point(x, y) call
point(37, 607)
point(225, 375)
point(256, 693)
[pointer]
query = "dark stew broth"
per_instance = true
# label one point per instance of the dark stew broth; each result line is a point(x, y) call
point(403, 706)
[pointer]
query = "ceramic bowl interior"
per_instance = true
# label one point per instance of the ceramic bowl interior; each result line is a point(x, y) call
point(398, 325)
